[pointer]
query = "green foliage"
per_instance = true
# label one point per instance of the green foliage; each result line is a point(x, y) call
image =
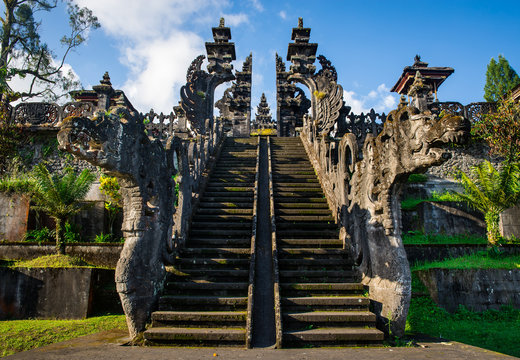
point(71, 233)
point(489, 259)
point(102, 238)
point(417, 178)
point(22, 184)
point(10, 136)
point(501, 130)
point(492, 329)
point(501, 78)
point(491, 192)
point(34, 59)
point(59, 195)
point(40, 235)
point(410, 203)
point(23, 335)
point(417, 238)
point(110, 187)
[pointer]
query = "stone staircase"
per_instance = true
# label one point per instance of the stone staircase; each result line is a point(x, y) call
point(322, 301)
point(206, 291)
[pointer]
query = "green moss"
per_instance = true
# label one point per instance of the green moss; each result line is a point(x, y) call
point(417, 178)
point(417, 238)
point(52, 261)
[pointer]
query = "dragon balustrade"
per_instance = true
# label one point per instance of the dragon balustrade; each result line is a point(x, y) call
point(161, 162)
point(362, 161)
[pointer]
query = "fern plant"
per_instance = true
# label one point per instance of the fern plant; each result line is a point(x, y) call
point(491, 192)
point(59, 196)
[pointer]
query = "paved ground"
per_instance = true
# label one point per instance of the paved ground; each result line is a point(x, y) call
point(107, 346)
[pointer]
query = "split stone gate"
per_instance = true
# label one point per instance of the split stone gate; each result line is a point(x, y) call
point(358, 162)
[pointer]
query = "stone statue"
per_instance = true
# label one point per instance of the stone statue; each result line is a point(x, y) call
point(114, 139)
point(409, 143)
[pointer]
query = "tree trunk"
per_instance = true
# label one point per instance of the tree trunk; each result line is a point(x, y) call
point(492, 226)
point(60, 245)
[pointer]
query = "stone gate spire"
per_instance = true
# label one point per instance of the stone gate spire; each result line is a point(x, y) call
point(263, 119)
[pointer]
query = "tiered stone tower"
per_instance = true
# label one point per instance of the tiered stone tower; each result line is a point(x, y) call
point(263, 119)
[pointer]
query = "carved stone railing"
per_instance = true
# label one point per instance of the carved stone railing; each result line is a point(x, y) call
point(41, 114)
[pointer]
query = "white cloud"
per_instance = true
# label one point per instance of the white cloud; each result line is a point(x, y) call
point(283, 14)
point(158, 40)
point(257, 5)
point(381, 100)
point(235, 19)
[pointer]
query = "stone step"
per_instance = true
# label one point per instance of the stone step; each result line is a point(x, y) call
point(344, 302)
point(223, 211)
point(197, 336)
point(296, 185)
point(227, 194)
point(334, 336)
point(301, 205)
point(282, 199)
point(298, 233)
point(314, 253)
point(241, 242)
point(309, 220)
point(332, 287)
point(212, 184)
point(222, 252)
point(228, 199)
point(302, 263)
point(303, 212)
point(299, 194)
point(205, 217)
point(318, 243)
point(214, 263)
point(207, 286)
point(197, 233)
point(221, 225)
point(170, 302)
point(210, 205)
point(210, 319)
point(321, 318)
point(209, 274)
point(318, 275)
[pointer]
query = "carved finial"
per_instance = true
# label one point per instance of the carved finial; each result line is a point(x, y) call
point(222, 22)
point(402, 102)
point(417, 58)
point(300, 23)
point(106, 79)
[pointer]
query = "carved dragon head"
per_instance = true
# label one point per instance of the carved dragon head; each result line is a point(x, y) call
point(104, 140)
point(420, 136)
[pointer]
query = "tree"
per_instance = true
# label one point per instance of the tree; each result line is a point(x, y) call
point(59, 196)
point(110, 187)
point(501, 129)
point(24, 54)
point(491, 192)
point(501, 78)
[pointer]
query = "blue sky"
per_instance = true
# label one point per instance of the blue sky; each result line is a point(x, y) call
point(148, 45)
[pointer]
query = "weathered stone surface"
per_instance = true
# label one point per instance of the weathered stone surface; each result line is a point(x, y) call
point(446, 218)
point(14, 215)
point(510, 222)
point(55, 293)
point(115, 140)
point(476, 289)
point(363, 185)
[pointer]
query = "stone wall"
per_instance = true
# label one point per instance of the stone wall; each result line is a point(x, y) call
point(434, 252)
point(66, 293)
point(476, 289)
point(14, 213)
point(463, 157)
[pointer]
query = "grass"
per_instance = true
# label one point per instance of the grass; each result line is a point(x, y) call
point(410, 203)
point(492, 329)
point(19, 185)
point(415, 238)
point(480, 260)
point(22, 335)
